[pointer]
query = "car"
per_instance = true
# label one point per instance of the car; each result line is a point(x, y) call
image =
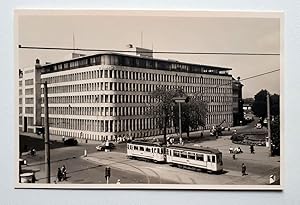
point(102, 146)
point(22, 162)
point(258, 126)
point(71, 142)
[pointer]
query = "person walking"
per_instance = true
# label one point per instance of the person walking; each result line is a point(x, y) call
point(64, 172)
point(244, 168)
point(252, 149)
point(59, 175)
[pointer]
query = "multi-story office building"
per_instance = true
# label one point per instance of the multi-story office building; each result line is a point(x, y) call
point(105, 96)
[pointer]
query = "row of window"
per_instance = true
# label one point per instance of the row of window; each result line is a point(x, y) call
point(118, 111)
point(98, 111)
point(29, 121)
point(127, 99)
point(101, 99)
point(28, 110)
point(103, 136)
point(115, 86)
point(132, 61)
point(192, 155)
point(132, 75)
point(145, 149)
point(104, 125)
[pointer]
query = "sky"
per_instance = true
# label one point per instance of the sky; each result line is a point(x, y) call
point(209, 32)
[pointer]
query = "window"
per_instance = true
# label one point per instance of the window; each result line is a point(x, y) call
point(135, 147)
point(208, 158)
point(141, 148)
point(183, 154)
point(191, 156)
point(29, 91)
point(199, 157)
point(213, 159)
point(28, 82)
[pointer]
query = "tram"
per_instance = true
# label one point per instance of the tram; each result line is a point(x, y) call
point(153, 151)
point(203, 158)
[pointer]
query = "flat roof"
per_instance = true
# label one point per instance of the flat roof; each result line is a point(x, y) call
point(171, 61)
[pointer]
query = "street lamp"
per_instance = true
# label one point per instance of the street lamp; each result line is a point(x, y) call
point(180, 100)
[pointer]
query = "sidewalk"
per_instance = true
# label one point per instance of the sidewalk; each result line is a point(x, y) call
point(57, 138)
point(195, 134)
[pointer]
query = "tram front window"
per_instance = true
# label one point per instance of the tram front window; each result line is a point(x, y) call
point(213, 159)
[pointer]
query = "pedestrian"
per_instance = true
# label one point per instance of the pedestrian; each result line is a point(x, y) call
point(244, 168)
point(230, 150)
point(252, 149)
point(63, 138)
point(64, 172)
point(59, 175)
point(119, 181)
point(32, 152)
point(233, 156)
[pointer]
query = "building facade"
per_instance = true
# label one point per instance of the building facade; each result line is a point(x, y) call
point(29, 100)
point(105, 96)
point(237, 102)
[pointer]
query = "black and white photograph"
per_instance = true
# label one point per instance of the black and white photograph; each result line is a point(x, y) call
point(148, 99)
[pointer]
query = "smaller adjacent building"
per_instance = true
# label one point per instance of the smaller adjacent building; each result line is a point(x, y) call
point(237, 102)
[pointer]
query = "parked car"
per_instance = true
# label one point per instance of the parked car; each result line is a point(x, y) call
point(71, 142)
point(22, 162)
point(102, 146)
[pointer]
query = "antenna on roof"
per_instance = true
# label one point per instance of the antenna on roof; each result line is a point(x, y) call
point(73, 42)
point(142, 39)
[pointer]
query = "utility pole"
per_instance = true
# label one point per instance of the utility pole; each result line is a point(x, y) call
point(180, 129)
point(180, 100)
point(47, 142)
point(269, 144)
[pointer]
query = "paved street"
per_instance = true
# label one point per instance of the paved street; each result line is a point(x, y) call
point(90, 170)
point(259, 167)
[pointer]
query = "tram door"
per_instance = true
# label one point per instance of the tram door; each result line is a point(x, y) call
point(209, 163)
point(156, 152)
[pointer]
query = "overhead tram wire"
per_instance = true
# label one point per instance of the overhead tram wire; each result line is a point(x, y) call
point(158, 52)
point(244, 79)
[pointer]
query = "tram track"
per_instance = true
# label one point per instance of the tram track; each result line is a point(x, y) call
point(157, 175)
point(122, 162)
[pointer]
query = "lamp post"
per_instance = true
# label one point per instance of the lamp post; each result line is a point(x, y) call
point(269, 140)
point(180, 100)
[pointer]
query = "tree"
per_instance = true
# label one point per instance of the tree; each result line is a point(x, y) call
point(193, 114)
point(275, 100)
point(162, 108)
point(259, 106)
point(275, 136)
point(166, 110)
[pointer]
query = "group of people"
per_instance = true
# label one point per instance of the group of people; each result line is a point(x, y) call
point(238, 150)
point(61, 174)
